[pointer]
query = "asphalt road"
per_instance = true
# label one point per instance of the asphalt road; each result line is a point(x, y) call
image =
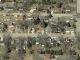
point(55, 15)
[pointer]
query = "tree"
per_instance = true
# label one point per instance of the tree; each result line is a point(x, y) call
point(5, 57)
point(74, 26)
point(7, 41)
point(24, 16)
point(44, 24)
point(39, 1)
point(70, 1)
point(29, 44)
point(25, 25)
point(53, 1)
point(68, 24)
point(59, 4)
point(48, 11)
point(78, 57)
point(5, 25)
point(33, 42)
point(37, 21)
point(33, 1)
point(21, 44)
point(14, 0)
point(2, 1)
point(46, 1)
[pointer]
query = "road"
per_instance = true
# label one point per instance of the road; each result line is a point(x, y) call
point(35, 35)
point(55, 15)
point(60, 15)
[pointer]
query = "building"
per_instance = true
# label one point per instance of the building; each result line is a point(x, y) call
point(10, 8)
point(55, 10)
point(19, 17)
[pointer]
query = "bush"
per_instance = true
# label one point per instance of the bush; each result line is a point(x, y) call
point(54, 52)
point(29, 44)
point(2, 1)
point(37, 21)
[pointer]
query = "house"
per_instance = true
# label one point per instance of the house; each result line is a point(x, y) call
point(55, 10)
point(19, 17)
point(6, 18)
point(69, 31)
point(20, 8)
point(68, 9)
point(10, 8)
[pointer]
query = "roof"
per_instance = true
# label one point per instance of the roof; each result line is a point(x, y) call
point(33, 7)
point(29, 17)
point(47, 56)
point(10, 7)
point(68, 7)
point(55, 8)
point(6, 17)
point(19, 18)
point(44, 18)
point(69, 29)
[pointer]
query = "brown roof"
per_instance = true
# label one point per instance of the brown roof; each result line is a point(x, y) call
point(6, 17)
point(19, 18)
point(46, 56)
point(29, 17)
point(55, 8)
